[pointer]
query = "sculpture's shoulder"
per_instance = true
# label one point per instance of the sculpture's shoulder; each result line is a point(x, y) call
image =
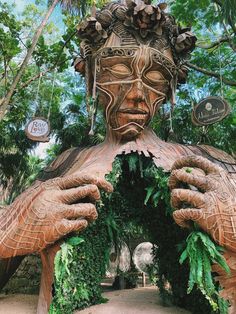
point(62, 164)
point(216, 155)
point(166, 153)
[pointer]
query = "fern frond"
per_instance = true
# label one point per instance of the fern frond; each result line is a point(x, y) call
point(201, 252)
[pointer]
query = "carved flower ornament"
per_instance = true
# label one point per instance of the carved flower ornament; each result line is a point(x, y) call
point(92, 30)
point(145, 17)
point(185, 41)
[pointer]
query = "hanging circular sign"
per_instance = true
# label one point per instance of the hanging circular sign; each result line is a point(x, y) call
point(38, 129)
point(210, 110)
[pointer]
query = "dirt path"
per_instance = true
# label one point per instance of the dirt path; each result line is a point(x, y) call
point(132, 301)
point(18, 304)
point(135, 301)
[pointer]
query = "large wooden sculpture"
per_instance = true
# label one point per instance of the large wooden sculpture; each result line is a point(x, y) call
point(132, 57)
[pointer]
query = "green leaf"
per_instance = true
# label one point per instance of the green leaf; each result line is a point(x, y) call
point(183, 256)
point(57, 265)
point(75, 241)
point(149, 190)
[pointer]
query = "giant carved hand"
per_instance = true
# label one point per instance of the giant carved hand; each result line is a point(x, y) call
point(48, 211)
point(211, 204)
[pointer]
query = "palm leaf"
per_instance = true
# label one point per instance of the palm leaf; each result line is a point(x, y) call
point(73, 6)
point(229, 9)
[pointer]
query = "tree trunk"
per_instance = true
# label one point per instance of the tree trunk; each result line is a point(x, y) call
point(4, 102)
point(47, 277)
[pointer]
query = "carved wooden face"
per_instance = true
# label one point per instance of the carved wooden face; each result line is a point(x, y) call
point(132, 84)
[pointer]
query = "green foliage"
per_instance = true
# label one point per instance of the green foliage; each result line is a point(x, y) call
point(157, 187)
point(35, 99)
point(142, 197)
point(201, 252)
point(9, 34)
point(79, 268)
point(63, 257)
point(130, 277)
point(210, 23)
point(228, 10)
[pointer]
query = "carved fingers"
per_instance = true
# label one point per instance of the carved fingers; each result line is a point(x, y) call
point(57, 222)
point(82, 179)
point(73, 201)
point(190, 202)
point(185, 217)
point(197, 162)
point(66, 226)
point(196, 171)
point(181, 200)
point(74, 195)
point(190, 176)
point(183, 197)
point(67, 196)
point(78, 211)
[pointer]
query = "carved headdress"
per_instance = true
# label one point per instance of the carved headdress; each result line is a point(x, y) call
point(130, 24)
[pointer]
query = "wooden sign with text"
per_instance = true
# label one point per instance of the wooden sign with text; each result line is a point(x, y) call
point(38, 129)
point(210, 110)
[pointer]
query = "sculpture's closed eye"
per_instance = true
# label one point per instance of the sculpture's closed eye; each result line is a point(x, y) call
point(120, 70)
point(155, 77)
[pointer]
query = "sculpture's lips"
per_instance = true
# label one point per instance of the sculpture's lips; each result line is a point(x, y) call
point(133, 111)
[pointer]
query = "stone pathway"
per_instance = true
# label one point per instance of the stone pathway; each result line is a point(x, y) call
point(132, 301)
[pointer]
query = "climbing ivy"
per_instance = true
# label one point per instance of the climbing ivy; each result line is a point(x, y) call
point(79, 268)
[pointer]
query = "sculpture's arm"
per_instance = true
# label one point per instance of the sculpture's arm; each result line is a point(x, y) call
point(48, 211)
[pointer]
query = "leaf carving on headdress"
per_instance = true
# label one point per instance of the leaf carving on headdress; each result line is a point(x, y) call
point(143, 16)
point(104, 17)
point(185, 42)
point(162, 6)
point(92, 30)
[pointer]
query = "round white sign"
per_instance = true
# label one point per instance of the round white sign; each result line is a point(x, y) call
point(38, 129)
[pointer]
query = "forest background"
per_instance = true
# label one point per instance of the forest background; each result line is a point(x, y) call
point(49, 87)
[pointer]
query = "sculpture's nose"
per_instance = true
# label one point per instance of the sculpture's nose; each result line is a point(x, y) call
point(136, 93)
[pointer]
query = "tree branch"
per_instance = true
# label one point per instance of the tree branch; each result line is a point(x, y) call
point(4, 102)
point(211, 73)
point(14, 91)
point(57, 63)
point(215, 43)
point(40, 74)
